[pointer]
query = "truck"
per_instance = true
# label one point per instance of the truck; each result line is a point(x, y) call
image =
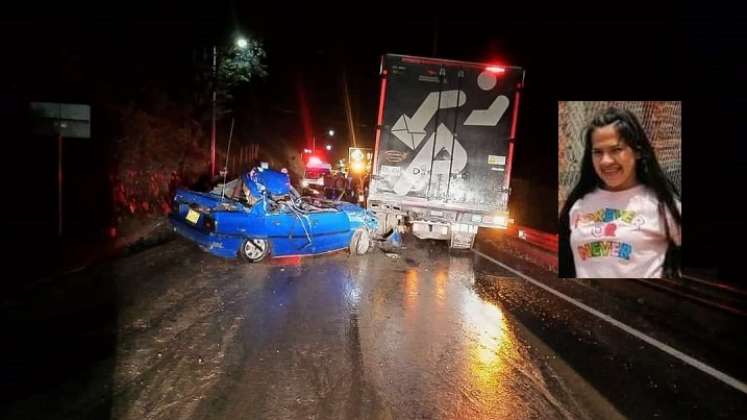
point(444, 147)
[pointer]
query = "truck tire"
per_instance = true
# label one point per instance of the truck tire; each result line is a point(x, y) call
point(254, 250)
point(360, 242)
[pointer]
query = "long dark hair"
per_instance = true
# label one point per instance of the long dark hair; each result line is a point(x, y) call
point(647, 171)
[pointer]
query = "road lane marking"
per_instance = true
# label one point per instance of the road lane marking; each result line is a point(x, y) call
point(721, 376)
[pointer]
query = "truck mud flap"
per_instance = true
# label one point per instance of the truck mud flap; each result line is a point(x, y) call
point(462, 236)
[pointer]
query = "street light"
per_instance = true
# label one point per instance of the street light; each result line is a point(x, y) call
point(328, 147)
point(331, 133)
point(240, 43)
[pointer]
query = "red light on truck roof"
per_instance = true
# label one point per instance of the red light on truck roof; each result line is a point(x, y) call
point(315, 161)
point(496, 69)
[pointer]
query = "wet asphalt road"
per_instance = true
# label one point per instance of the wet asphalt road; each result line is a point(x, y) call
point(423, 334)
point(334, 336)
point(637, 378)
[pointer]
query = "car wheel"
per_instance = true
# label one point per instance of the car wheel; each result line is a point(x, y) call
point(360, 242)
point(255, 250)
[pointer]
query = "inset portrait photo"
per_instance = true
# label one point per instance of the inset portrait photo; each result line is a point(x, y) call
point(619, 192)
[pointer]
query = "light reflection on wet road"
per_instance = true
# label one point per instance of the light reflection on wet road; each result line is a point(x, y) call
point(350, 337)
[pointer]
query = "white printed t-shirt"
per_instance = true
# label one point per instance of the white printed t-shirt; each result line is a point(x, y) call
point(619, 234)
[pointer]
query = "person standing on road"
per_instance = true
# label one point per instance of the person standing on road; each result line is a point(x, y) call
point(623, 217)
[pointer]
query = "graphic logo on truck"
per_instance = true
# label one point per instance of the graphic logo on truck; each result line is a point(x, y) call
point(395, 156)
point(410, 130)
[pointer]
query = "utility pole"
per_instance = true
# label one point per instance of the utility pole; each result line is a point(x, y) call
point(348, 110)
point(212, 122)
point(59, 185)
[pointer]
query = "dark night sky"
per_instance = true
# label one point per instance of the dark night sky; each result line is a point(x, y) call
point(653, 58)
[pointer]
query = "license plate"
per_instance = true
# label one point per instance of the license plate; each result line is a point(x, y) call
point(193, 216)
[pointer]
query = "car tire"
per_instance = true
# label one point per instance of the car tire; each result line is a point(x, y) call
point(360, 242)
point(254, 249)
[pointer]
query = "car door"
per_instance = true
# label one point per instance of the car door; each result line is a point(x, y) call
point(330, 230)
point(287, 234)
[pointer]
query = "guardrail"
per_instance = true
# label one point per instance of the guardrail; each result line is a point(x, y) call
point(709, 292)
point(546, 241)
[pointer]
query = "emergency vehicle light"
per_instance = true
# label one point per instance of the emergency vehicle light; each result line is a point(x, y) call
point(496, 69)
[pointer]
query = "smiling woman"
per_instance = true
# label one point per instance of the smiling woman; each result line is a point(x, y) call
point(622, 219)
point(614, 160)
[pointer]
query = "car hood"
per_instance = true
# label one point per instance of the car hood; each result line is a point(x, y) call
point(358, 216)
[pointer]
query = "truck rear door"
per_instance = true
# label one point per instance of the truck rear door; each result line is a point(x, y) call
point(445, 130)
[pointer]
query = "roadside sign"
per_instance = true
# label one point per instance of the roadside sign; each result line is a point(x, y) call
point(66, 120)
point(61, 120)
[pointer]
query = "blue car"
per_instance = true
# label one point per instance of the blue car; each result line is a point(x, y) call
point(260, 214)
